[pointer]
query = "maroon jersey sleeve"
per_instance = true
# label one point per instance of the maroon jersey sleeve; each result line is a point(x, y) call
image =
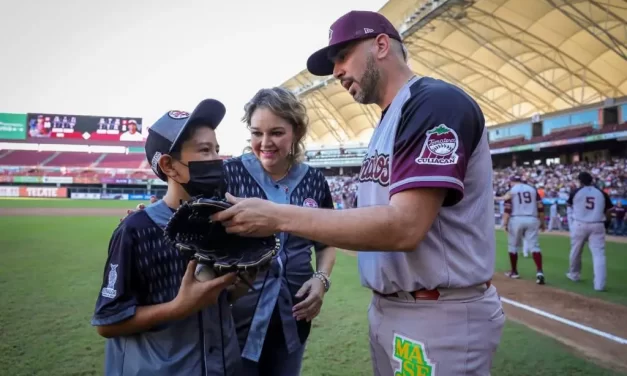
point(439, 129)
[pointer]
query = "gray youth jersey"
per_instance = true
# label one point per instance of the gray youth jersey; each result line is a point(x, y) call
point(524, 200)
point(589, 204)
point(432, 135)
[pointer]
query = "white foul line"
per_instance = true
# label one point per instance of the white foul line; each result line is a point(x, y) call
point(588, 329)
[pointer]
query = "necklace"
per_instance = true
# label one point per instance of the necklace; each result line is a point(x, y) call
point(289, 167)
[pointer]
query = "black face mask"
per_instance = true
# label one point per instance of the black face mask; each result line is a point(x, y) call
point(206, 178)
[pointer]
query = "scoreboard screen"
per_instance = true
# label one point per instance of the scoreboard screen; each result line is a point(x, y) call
point(105, 128)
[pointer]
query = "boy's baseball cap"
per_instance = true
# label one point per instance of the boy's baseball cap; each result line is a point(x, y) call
point(354, 25)
point(165, 135)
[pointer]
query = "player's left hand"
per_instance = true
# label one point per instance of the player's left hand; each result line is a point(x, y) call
point(249, 217)
point(309, 308)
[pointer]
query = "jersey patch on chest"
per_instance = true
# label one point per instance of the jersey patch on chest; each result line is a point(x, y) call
point(376, 168)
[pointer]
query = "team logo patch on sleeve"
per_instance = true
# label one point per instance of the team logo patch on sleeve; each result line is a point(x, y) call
point(440, 147)
point(310, 203)
point(109, 291)
point(178, 114)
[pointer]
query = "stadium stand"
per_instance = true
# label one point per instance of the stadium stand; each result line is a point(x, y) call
point(25, 158)
point(123, 161)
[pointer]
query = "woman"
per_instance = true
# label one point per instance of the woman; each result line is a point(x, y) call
point(273, 320)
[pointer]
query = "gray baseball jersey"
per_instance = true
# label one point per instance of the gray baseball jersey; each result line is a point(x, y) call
point(524, 201)
point(589, 204)
point(432, 135)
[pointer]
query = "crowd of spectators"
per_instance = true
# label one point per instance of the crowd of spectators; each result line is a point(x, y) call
point(555, 181)
point(558, 180)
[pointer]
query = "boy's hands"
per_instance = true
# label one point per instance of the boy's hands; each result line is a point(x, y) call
point(195, 295)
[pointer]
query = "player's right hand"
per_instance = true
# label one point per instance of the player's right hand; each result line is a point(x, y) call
point(195, 295)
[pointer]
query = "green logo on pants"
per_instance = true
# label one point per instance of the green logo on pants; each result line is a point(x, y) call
point(411, 354)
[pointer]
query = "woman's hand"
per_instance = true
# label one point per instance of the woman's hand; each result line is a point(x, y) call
point(309, 308)
point(129, 211)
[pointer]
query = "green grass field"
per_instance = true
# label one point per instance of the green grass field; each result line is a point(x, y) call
point(50, 271)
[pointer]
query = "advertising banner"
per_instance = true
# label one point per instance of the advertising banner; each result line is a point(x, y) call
point(139, 197)
point(27, 179)
point(12, 126)
point(86, 180)
point(6, 179)
point(58, 179)
point(103, 128)
point(84, 196)
point(7, 191)
point(123, 181)
point(43, 192)
point(156, 182)
point(114, 196)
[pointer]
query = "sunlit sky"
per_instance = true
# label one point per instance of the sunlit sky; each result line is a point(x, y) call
point(142, 58)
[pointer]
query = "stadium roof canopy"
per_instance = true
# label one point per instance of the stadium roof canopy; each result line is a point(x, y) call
point(515, 57)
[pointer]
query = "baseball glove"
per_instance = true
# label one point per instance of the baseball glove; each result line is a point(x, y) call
point(191, 231)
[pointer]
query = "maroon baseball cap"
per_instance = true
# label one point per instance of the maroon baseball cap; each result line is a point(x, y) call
point(352, 26)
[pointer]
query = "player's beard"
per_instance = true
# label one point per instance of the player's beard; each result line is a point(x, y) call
point(369, 83)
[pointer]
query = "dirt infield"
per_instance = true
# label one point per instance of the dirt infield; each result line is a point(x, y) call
point(591, 312)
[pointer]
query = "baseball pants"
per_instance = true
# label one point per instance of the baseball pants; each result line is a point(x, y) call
point(594, 234)
point(554, 223)
point(526, 228)
point(457, 334)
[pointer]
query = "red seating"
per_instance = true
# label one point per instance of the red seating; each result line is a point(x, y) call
point(562, 134)
point(611, 128)
point(72, 159)
point(25, 158)
point(507, 143)
point(122, 161)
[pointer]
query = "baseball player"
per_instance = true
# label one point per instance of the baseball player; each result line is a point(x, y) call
point(526, 248)
point(157, 318)
point(424, 225)
point(591, 208)
point(554, 220)
point(524, 216)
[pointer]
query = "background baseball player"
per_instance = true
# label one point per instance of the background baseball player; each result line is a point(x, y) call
point(523, 218)
point(554, 218)
point(591, 208)
point(424, 227)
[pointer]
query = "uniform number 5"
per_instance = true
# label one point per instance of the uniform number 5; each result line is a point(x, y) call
point(524, 195)
point(589, 203)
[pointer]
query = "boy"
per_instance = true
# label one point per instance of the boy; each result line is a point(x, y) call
point(157, 318)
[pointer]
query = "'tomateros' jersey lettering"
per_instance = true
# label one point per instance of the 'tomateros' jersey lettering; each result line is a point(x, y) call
point(589, 204)
point(432, 135)
point(524, 201)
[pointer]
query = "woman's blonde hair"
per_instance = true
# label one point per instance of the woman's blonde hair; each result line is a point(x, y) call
point(285, 105)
